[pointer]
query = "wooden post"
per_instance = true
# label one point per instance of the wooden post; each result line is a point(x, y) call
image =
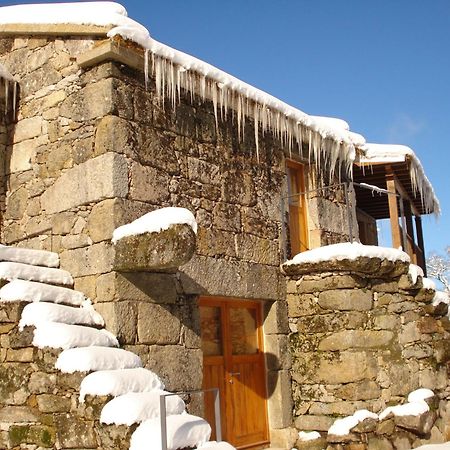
point(393, 208)
point(410, 233)
point(420, 243)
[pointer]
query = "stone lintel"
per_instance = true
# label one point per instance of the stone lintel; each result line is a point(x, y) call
point(54, 29)
point(110, 50)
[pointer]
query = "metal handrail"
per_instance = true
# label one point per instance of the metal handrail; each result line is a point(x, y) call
point(163, 413)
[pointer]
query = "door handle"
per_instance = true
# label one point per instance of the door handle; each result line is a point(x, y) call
point(233, 374)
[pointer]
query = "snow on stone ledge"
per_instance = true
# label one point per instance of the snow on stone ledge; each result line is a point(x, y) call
point(429, 284)
point(306, 436)
point(35, 313)
point(407, 409)
point(12, 271)
point(415, 272)
point(350, 251)
point(28, 255)
point(342, 427)
point(87, 359)
point(136, 407)
point(156, 221)
point(30, 291)
point(349, 256)
point(183, 431)
point(420, 395)
point(61, 335)
point(118, 382)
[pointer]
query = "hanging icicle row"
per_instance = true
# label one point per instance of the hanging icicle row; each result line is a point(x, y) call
point(171, 79)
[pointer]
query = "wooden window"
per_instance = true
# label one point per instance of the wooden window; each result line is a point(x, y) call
point(298, 230)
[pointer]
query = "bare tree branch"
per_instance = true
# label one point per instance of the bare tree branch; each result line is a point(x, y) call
point(439, 268)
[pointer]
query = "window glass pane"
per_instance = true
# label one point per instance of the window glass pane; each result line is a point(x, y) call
point(211, 330)
point(244, 340)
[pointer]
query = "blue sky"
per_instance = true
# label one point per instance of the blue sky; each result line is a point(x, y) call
point(382, 66)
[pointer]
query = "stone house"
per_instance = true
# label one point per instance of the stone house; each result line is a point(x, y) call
point(99, 133)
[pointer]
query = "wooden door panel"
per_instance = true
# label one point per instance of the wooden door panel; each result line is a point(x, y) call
point(239, 372)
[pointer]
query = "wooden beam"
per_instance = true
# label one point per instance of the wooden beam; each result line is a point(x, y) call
point(402, 191)
point(393, 209)
point(420, 243)
point(410, 232)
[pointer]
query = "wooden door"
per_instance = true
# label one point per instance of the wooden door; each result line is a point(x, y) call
point(298, 232)
point(233, 361)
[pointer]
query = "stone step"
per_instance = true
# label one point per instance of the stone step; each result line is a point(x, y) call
point(29, 256)
point(19, 271)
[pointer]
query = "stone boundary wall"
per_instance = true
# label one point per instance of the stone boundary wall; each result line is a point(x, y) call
point(363, 336)
point(39, 405)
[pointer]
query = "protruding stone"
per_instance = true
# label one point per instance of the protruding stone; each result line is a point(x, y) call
point(155, 252)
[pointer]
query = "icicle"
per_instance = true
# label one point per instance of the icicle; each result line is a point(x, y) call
point(214, 100)
point(256, 126)
point(146, 68)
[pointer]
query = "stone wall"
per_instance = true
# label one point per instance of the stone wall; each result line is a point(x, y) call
point(40, 405)
point(363, 336)
point(93, 149)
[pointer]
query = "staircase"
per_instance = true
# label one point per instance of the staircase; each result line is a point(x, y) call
point(64, 383)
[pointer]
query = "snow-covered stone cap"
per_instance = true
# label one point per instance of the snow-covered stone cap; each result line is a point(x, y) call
point(349, 256)
point(390, 153)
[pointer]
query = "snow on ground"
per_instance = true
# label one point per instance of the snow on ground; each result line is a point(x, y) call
point(29, 256)
point(30, 291)
point(156, 221)
point(136, 407)
point(61, 335)
point(12, 271)
point(35, 313)
point(350, 251)
point(214, 445)
point(183, 430)
point(118, 382)
point(87, 359)
point(444, 446)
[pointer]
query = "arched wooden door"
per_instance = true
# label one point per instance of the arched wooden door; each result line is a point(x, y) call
point(233, 361)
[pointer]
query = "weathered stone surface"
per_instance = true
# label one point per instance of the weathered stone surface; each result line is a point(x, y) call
point(39, 435)
point(49, 403)
point(347, 339)
point(18, 414)
point(379, 443)
point(184, 372)
point(158, 324)
point(330, 282)
point(114, 134)
point(148, 184)
point(75, 433)
point(346, 300)
point(91, 260)
point(155, 252)
point(280, 398)
point(313, 423)
point(364, 390)
point(420, 424)
point(27, 129)
point(97, 179)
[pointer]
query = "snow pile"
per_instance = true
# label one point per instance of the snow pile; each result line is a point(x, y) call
point(416, 405)
point(30, 291)
point(183, 431)
point(29, 256)
point(35, 313)
point(87, 359)
point(136, 407)
point(429, 284)
point(308, 436)
point(214, 445)
point(387, 153)
point(156, 221)
point(61, 335)
point(415, 272)
point(350, 251)
point(441, 297)
point(12, 270)
point(118, 382)
point(342, 427)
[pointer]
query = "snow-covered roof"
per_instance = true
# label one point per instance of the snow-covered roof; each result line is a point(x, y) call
point(328, 139)
point(391, 154)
